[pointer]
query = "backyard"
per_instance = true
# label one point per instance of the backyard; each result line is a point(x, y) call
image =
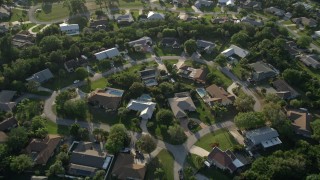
point(163, 160)
point(51, 12)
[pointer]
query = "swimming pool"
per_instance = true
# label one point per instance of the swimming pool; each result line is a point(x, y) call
point(201, 91)
point(115, 92)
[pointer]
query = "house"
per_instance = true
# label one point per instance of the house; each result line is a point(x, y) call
point(262, 137)
point(73, 64)
point(145, 108)
point(220, 20)
point(170, 42)
point(180, 103)
point(125, 168)
point(124, 19)
point(6, 103)
point(224, 160)
point(23, 39)
point(180, 2)
point(301, 122)
point(69, 29)
point(203, 3)
point(219, 95)
point(8, 124)
point(155, 16)
point(305, 21)
point(252, 5)
point(226, 2)
point(4, 27)
point(198, 75)
point(97, 25)
point(149, 76)
point(186, 17)
point(41, 150)
point(288, 15)
point(305, 5)
point(284, 90)
point(251, 21)
point(3, 137)
point(107, 54)
point(292, 48)
point(41, 76)
point(262, 71)
point(108, 98)
point(141, 45)
point(5, 12)
point(275, 11)
point(87, 158)
point(235, 50)
point(206, 46)
point(310, 61)
point(317, 34)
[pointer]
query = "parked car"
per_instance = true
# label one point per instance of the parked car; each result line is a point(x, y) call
point(76, 81)
point(180, 172)
point(125, 150)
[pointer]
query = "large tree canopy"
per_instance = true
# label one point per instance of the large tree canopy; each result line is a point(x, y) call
point(118, 138)
point(249, 120)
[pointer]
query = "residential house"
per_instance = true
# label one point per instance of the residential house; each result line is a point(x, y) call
point(87, 158)
point(23, 39)
point(310, 61)
point(251, 21)
point(224, 160)
point(4, 27)
point(219, 95)
point(149, 76)
point(262, 71)
point(275, 11)
point(206, 46)
point(124, 19)
point(8, 124)
point(170, 42)
point(180, 103)
point(301, 122)
point(5, 12)
point(41, 150)
point(73, 64)
point(186, 17)
point(284, 90)
point(252, 5)
point(70, 29)
point(288, 15)
point(141, 45)
point(145, 108)
point(107, 54)
point(235, 50)
point(198, 75)
point(317, 34)
point(41, 76)
point(305, 21)
point(125, 168)
point(262, 137)
point(305, 5)
point(109, 98)
point(292, 48)
point(155, 16)
point(6, 103)
point(180, 2)
point(226, 2)
point(220, 20)
point(203, 3)
point(97, 25)
point(3, 137)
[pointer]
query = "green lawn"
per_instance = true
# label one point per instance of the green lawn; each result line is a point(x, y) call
point(54, 12)
point(18, 15)
point(60, 82)
point(226, 81)
point(38, 28)
point(221, 137)
point(27, 26)
point(203, 112)
point(53, 128)
point(171, 61)
point(163, 160)
point(101, 83)
point(130, 3)
point(167, 51)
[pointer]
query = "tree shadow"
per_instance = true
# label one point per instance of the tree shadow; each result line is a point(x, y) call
point(46, 8)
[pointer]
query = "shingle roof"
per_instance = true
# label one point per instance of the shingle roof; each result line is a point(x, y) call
point(148, 73)
point(8, 124)
point(155, 15)
point(105, 99)
point(125, 168)
point(109, 53)
point(233, 49)
point(282, 87)
point(301, 121)
point(145, 108)
point(141, 41)
point(180, 104)
point(41, 76)
point(219, 94)
point(3, 137)
point(224, 158)
point(262, 134)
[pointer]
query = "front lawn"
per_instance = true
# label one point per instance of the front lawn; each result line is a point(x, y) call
point(221, 138)
point(52, 12)
point(60, 82)
point(203, 112)
point(19, 15)
point(54, 128)
point(163, 160)
point(163, 51)
point(38, 28)
point(224, 79)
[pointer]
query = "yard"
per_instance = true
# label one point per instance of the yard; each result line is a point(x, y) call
point(19, 15)
point(167, 51)
point(221, 138)
point(38, 28)
point(203, 112)
point(60, 82)
point(52, 12)
point(54, 128)
point(163, 160)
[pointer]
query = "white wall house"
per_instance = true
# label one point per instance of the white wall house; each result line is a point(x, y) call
point(70, 29)
point(107, 54)
point(155, 15)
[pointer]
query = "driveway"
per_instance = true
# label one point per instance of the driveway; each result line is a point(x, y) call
point(199, 151)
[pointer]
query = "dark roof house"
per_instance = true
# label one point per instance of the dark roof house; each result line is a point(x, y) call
point(310, 61)
point(198, 75)
point(219, 95)
point(305, 21)
point(5, 12)
point(23, 39)
point(284, 90)
point(262, 71)
point(6, 103)
point(141, 45)
point(149, 76)
point(97, 25)
point(73, 64)
point(41, 76)
point(251, 21)
point(8, 124)
point(125, 168)
point(124, 19)
point(170, 42)
point(301, 122)
point(252, 5)
point(109, 98)
point(206, 46)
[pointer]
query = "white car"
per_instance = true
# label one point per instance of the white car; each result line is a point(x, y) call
point(76, 81)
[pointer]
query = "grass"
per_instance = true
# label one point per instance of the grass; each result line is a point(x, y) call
point(54, 128)
point(27, 26)
point(163, 160)
point(167, 51)
point(311, 71)
point(38, 28)
point(203, 112)
point(18, 15)
point(226, 81)
point(59, 82)
point(52, 12)
point(222, 138)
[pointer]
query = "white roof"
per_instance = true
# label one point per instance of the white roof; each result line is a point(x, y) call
point(66, 27)
point(155, 15)
point(271, 142)
point(233, 49)
point(227, 2)
point(109, 53)
point(145, 108)
point(317, 33)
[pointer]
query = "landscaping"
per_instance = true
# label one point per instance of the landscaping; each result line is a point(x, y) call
point(163, 160)
point(54, 128)
point(19, 15)
point(52, 12)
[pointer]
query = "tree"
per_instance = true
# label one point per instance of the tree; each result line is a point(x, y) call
point(249, 120)
point(166, 88)
point(244, 103)
point(4, 157)
point(169, 32)
point(56, 168)
point(221, 60)
point(74, 51)
point(177, 134)
point(64, 158)
point(315, 125)
point(295, 103)
point(304, 41)
point(240, 38)
point(118, 138)
point(274, 114)
point(38, 127)
point(136, 89)
point(123, 112)
point(164, 116)
point(17, 139)
point(74, 130)
point(99, 175)
point(50, 43)
point(159, 173)
point(190, 46)
point(21, 163)
point(146, 143)
point(32, 86)
point(219, 109)
point(76, 109)
point(81, 73)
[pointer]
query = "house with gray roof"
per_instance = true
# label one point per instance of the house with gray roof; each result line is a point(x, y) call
point(124, 18)
point(203, 3)
point(180, 103)
point(6, 103)
point(141, 45)
point(275, 11)
point(41, 76)
point(262, 71)
point(155, 16)
point(235, 50)
point(8, 124)
point(251, 21)
point(205, 46)
point(310, 61)
point(250, 4)
point(284, 90)
point(4, 27)
point(4, 12)
point(97, 25)
point(262, 137)
point(107, 54)
point(23, 39)
point(145, 108)
point(149, 76)
point(304, 21)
